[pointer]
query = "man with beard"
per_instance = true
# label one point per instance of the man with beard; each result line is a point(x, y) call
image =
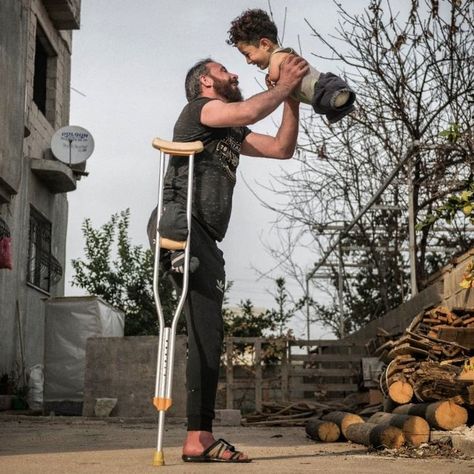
point(217, 115)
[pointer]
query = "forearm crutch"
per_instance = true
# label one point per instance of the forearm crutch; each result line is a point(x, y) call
point(166, 345)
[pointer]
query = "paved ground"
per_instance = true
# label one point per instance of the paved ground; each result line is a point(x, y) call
point(74, 445)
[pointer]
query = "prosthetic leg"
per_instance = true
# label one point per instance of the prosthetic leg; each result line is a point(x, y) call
point(164, 366)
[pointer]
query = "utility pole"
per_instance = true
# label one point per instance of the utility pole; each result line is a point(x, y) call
point(308, 319)
point(340, 284)
point(411, 226)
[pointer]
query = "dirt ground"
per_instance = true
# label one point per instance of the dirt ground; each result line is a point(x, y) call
point(75, 445)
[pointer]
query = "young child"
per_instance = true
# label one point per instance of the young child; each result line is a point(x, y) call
point(256, 37)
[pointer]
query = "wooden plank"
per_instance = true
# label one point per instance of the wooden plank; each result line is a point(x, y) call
point(315, 372)
point(317, 342)
point(405, 349)
point(249, 382)
point(284, 376)
point(229, 393)
point(258, 375)
point(326, 358)
point(245, 340)
point(325, 343)
point(462, 336)
point(240, 384)
point(328, 387)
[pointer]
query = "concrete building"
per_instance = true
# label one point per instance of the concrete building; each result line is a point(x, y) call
point(35, 70)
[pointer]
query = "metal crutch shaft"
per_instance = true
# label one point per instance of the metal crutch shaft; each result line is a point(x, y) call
point(167, 337)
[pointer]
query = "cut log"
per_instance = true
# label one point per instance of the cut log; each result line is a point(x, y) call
point(343, 420)
point(415, 428)
point(443, 415)
point(400, 391)
point(377, 436)
point(389, 405)
point(320, 430)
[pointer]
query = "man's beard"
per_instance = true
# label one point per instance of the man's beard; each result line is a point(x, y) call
point(227, 91)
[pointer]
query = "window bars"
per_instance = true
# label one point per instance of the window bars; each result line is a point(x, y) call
point(44, 270)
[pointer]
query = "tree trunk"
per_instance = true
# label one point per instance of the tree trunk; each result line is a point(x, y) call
point(415, 428)
point(400, 391)
point(376, 436)
point(320, 430)
point(342, 419)
point(443, 415)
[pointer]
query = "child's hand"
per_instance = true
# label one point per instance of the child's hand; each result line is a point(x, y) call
point(270, 84)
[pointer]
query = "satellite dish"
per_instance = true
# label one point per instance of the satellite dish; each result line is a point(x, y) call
point(72, 144)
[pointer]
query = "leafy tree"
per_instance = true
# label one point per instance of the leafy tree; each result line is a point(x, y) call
point(122, 275)
point(270, 324)
point(461, 203)
point(245, 322)
point(282, 314)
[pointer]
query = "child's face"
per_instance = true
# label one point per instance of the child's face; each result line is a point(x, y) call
point(258, 55)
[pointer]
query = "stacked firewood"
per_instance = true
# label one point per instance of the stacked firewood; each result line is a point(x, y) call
point(422, 365)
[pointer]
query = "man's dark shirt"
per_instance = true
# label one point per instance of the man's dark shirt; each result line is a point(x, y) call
point(214, 169)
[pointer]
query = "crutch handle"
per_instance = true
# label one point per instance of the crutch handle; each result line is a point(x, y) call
point(169, 244)
point(178, 148)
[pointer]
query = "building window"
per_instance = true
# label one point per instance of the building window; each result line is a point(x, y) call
point(39, 251)
point(44, 79)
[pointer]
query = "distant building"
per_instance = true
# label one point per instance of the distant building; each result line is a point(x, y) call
point(35, 71)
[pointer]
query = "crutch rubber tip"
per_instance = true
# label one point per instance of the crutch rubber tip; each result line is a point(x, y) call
point(158, 458)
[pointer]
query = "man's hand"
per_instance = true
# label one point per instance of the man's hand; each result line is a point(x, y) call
point(292, 71)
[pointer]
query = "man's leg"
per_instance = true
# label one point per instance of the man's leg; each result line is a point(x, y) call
point(205, 335)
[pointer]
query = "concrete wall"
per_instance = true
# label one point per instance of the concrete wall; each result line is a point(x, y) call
point(13, 38)
point(125, 368)
point(25, 135)
point(443, 289)
point(397, 320)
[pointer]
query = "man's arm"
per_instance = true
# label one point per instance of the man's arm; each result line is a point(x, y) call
point(217, 113)
point(282, 145)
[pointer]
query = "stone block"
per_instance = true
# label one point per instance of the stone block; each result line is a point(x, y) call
point(125, 368)
point(6, 402)
point(464, 444)
point(227, 417)
point(462, 438)
point(104, 406)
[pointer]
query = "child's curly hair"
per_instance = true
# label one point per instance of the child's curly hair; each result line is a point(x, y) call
point(251, 26)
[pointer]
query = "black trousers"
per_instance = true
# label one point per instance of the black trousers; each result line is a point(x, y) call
point(205, 328)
